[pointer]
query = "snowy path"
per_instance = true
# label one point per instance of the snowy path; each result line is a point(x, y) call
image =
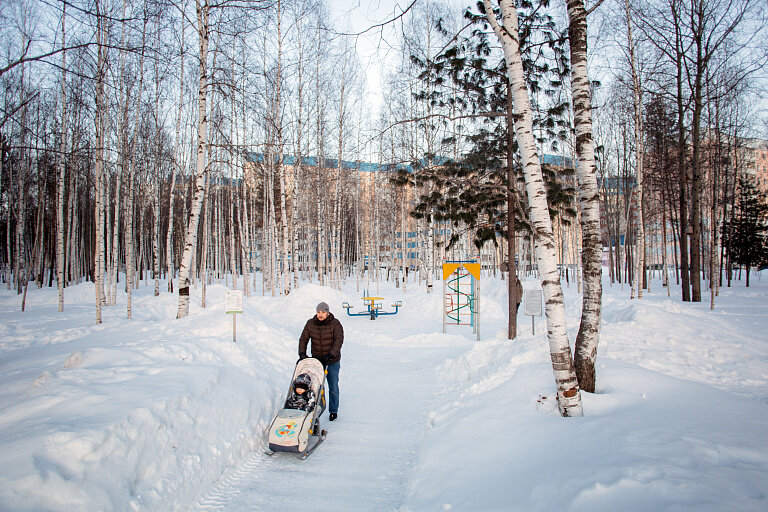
point(367, 459)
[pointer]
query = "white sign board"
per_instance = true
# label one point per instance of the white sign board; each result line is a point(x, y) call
point(234, 301)
point(532, 301)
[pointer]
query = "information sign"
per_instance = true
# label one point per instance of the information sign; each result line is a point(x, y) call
point(532, 301)
point(234, 301)
point(234, 306)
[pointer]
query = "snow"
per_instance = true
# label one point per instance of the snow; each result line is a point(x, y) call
point(163, 414)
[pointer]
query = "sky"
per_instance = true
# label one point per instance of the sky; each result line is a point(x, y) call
point(377, 47)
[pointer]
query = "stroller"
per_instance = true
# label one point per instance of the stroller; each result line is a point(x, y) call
point(292, 429)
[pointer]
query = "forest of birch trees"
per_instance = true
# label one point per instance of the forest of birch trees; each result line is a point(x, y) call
point(174, 143)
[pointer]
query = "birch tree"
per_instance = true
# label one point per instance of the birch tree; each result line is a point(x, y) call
point(589, 329)
point(178, 163)
point(639, 273)
point(506, 29)
point(203, 9)
point(62, 169)
point(100, 127)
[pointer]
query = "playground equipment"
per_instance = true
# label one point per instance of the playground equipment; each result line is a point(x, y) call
point(373, 307)
point(461, 294)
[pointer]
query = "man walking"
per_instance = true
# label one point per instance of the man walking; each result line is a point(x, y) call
point(327, 336)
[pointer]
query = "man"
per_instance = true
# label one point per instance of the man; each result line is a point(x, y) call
point(519, 293)
point(327, 336)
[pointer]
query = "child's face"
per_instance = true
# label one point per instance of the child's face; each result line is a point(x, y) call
point(301, 391)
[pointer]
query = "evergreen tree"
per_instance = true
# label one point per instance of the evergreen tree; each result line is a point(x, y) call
point(749, 228)
point(480, 190)
point(472, 190)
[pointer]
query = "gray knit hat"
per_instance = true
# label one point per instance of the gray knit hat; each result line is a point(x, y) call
point(323, 306)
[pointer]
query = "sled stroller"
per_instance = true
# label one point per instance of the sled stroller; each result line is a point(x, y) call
point(292, 429)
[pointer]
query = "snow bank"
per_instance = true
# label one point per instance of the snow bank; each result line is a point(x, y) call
point(132, 415)
point(679, 422)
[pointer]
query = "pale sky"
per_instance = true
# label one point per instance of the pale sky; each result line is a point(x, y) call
point(374, 48)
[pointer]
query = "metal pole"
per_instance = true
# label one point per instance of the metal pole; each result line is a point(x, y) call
point(443, 305)
point(234, 328)
point(477, 301)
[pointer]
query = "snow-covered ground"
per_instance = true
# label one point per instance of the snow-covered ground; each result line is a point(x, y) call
point(163, 414)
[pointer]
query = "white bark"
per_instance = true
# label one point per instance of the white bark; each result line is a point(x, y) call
point(206, 241)
point(569, 398)
point(177, 164)
point(589, 200)
point(637, 282)
point(99, 161)
point(62, 168)
point(285, 271)
point(129, 161)
point(190, 237)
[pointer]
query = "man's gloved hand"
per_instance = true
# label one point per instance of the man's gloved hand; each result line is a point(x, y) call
point(302, 356)
point(325, 359)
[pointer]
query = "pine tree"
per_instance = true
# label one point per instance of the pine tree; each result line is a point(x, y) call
point(480, 190)
point(748, 231)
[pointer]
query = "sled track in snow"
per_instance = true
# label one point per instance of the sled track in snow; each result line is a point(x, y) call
point(221, 493)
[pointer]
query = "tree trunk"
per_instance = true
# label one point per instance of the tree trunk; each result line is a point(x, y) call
point(177, 167)
point(569, 398)
point(637, 282)
point(99, 161)
point(62, 168)
point(682, 151)
point(190, 237)
point(512, 297)
point(589, 328)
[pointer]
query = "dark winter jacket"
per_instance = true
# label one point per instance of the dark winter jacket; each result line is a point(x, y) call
point(303, 402)
point(327, 337)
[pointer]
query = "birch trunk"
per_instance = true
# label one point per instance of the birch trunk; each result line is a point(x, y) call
point(335, 229)
point(430, 251)
point(321, 244)
point(588, 337)
point(232, 226)
point(206, 242)
point(114, 258)
point(190, 237)
point(178, 164)
point(62, 168)
point(129, 161)
point(298, 164)
point(285, 271)
point(7, 266)
point(637, 282)
point(156, 232)
point(70, 251)
point(21, 200)
point(99, 160)
point(569, 398)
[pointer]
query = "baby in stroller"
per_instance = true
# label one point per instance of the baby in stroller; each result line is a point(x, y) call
point(302, 397)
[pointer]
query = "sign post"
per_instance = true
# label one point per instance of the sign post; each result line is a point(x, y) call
point(532, 301)
point(234, 307)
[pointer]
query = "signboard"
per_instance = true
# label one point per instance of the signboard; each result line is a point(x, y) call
point(234, 301)
point(532, 301)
